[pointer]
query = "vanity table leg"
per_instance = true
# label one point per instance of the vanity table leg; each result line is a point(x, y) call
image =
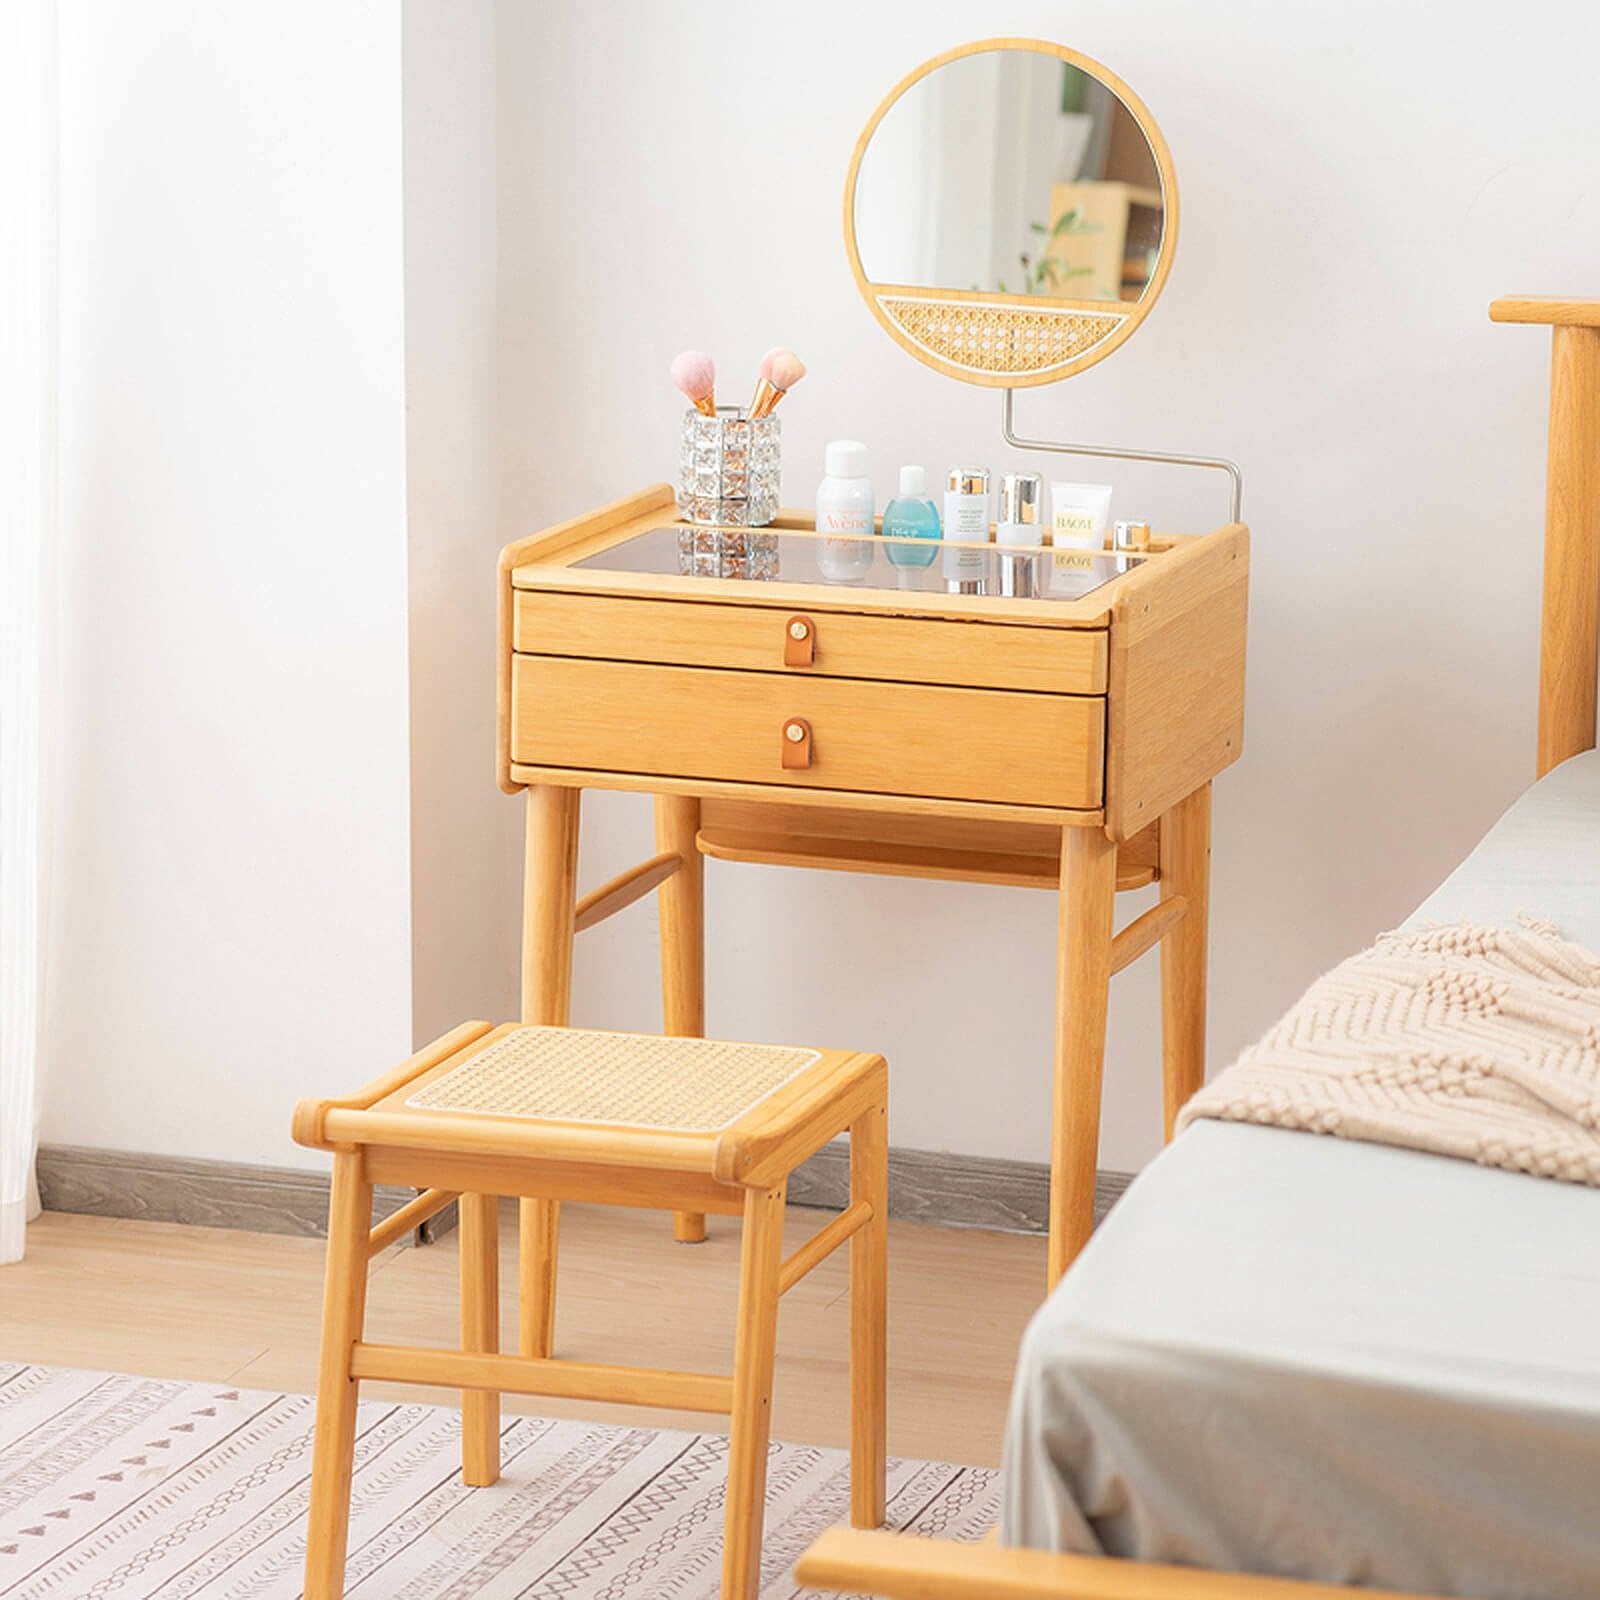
point(682, 903)
point(1083, 985)
point(550, 894)
point(1186, 871)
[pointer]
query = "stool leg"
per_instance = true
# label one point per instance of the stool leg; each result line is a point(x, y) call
point(539, 1250)
point(681, 906)
point(869, 1320)
point(1083, 987)
point(480, 1331)
point(344, 1310)
point(1185, 870)
point(549, 900)
point(755, 1345)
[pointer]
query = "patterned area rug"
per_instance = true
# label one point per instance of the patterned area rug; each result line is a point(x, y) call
point(119, 1488)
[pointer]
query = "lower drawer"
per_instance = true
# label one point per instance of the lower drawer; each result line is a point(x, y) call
point(869, 737)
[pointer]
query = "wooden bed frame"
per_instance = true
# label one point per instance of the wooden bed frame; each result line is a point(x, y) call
point(905, 1567)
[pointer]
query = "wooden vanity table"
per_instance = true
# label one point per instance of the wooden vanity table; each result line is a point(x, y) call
point(882, 725)
point(1055, 723)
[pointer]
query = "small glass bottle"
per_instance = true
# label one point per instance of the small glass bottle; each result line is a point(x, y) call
point(911, 515)
point(966, 518)
point(1019, 530)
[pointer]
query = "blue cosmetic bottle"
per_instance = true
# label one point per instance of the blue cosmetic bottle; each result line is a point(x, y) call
point(911, 515)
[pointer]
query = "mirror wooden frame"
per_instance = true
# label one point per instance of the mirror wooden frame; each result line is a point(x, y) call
point(1011, 341)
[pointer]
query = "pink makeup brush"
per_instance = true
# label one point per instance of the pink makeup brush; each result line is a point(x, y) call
point(781, 370)
point(695, 375)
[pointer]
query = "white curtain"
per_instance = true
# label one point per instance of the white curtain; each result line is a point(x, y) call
point(27, 517)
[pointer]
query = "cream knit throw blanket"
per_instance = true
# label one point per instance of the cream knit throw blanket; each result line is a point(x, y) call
point(1481, 1043)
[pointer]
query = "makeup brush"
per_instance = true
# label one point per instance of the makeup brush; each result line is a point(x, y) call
point(781, 370)
point(695, 375)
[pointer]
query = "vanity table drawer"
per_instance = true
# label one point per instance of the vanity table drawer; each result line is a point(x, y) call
point(879, 738)
point(843, 644)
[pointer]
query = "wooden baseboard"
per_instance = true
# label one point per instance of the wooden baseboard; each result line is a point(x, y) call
point(208, 1194)
point(953, 1191)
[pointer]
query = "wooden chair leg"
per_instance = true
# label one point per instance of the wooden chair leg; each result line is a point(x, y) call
point(550, 898)
point(755, 1345)
point(682, 906)
point(1083, 985)
point(869, 1320)
point(1185, 870)
point(344, 1309)
point(480, 1332)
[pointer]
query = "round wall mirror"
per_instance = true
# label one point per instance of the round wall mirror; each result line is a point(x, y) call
point(1011, 212)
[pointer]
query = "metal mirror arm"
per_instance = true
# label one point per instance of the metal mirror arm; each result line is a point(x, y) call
point(1166, 458)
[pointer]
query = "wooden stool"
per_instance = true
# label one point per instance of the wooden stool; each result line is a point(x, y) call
point(624, 1119)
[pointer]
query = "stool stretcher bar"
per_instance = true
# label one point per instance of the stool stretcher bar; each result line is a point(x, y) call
point(822, 1244)
point(533, 1375)
point(411, 1215)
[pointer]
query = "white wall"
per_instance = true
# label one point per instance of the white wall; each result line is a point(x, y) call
point(1357, 184)
point(231, 885)
point(466, 840)
point(234, 876)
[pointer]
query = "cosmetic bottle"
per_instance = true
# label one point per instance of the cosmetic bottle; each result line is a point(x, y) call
point(1080, 514)
point(911, 515)
point(844, 511)
point(1019, 526)
point(966, 517)
point(1132, 537)
point(1080, 517)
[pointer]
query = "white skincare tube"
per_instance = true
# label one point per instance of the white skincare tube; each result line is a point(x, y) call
point(1080, 514)
point(966, 517)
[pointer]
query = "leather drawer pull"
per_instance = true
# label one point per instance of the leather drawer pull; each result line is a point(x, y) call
point(795, 750)
point(799, 642)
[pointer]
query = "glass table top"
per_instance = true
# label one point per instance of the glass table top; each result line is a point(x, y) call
point(925, 566)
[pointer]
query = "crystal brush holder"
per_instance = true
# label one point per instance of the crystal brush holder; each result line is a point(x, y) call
point(728, 468)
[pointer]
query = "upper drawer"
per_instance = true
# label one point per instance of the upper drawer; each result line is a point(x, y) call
point(875, 738)
point(846, 644)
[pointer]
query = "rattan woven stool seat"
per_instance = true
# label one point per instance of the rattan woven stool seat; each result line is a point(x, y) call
point(579, 1095)
point(622, 1079)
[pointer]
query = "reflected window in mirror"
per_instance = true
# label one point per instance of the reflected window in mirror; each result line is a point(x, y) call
point(1013, 173)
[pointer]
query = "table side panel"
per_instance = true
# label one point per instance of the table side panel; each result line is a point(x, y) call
point(1175, 694)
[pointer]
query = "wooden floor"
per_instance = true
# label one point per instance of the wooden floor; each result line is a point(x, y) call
point(163, 1300)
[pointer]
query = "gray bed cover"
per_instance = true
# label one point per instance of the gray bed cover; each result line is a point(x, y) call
point(1337, 1361)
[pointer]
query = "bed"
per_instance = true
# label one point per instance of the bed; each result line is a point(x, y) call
point(1319, 1362)
point(1429, 1323)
